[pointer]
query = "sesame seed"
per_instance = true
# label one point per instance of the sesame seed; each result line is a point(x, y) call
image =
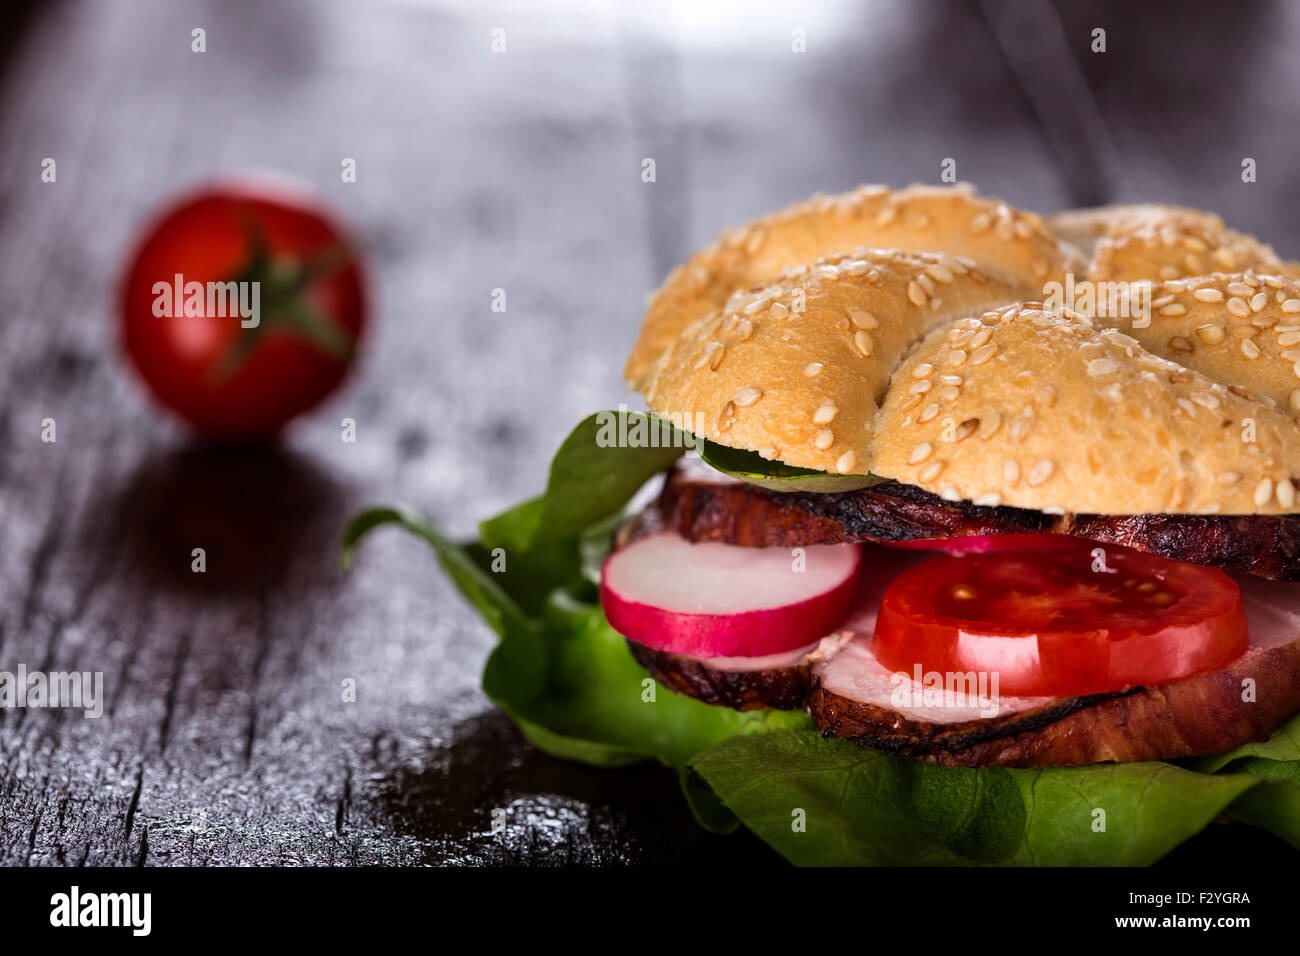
point(727, 417)
point(1258, 301)
point(981, 223)
point(927, 284)
point(1206, 400)
point(1011, 471)
point(1288, 338)
point(1296, 369)
point(1174, 309)
point(1291, 355)
point(1241, 288)
point(745, 329)
point(863, 319)
point(767, 452)
point(747, 396)
point(828, 272)
point(980, 337)
point(1180, 344)
point(826, 414)
point(923, 370)
point(862, 339)
point(813, 369)
point(1249, 349)
point(1291, 305)
point(990, 500)
point(1210, 333)
point(989, 424)
point(928, 413)
point(940, 273)
point(915, 294)
point(950, 379)
point(1263, 491)
point(1020, 429)
point(949, 393)
point(1041, 471)
point(921, 387)
point(950, 493)
point(1102, 366)
point(1207, 295)
point(956, 357)
point(846, 462)
point(825, 438)
point(983, 353)
point(779, 310)
point(886, 216)
point(931, 471)
point(1293, 399)
point(1238, 307)
point(1285, 493)
point(920, 453)
point(1229, 477)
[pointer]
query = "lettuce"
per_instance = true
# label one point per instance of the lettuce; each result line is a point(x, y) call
point(571, 684)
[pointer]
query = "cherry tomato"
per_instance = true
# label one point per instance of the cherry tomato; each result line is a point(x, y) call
point(240, 361)
point(1077, 619)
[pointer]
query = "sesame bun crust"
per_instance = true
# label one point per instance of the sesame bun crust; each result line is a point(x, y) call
point(919, 218)
point(1061, 416)
point(1150, 241)
point(947, 372)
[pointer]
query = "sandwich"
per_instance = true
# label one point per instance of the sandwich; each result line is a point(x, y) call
point(932, 496)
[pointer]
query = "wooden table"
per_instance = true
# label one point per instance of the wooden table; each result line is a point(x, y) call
point(225, 738)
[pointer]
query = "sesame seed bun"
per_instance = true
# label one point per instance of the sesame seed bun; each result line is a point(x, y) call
point(944, 369)
point(950, 219)
point(1150, 241)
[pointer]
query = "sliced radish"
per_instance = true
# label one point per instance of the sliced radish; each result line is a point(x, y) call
point(720, 600)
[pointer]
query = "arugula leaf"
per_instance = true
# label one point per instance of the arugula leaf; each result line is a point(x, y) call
point(752, 467)
point(864, 807)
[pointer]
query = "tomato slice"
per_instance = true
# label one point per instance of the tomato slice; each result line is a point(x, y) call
point(1082, 618)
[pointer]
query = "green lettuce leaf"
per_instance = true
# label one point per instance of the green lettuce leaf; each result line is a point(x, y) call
point(1274, 805)
point(864, 807)
point(1283, 745)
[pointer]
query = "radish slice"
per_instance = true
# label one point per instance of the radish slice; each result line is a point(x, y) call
point(720, 600)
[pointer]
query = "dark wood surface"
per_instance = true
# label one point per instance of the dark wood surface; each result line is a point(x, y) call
point(225, 738)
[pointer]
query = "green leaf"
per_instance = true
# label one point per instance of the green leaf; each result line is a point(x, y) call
point(864, 807)
point(1283, 745)
point(1274, 805)
point(601, 465)
point(478, 585)
point(752, 467)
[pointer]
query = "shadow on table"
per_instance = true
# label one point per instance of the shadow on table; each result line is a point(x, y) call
point(262, 514)
point(554, 811)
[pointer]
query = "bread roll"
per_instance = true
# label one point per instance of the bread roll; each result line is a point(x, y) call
point(946, 370)
point(942, 219)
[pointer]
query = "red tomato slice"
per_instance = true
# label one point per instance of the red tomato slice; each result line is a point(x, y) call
point(1056, 621)
point(197, 358)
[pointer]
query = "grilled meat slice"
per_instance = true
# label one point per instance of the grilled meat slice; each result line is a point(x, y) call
point(708, 509)
point(772, 688)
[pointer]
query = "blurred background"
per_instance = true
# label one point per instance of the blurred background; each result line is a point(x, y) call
point(224, 740)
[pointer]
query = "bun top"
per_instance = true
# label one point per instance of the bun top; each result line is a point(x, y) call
point(968, 370)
